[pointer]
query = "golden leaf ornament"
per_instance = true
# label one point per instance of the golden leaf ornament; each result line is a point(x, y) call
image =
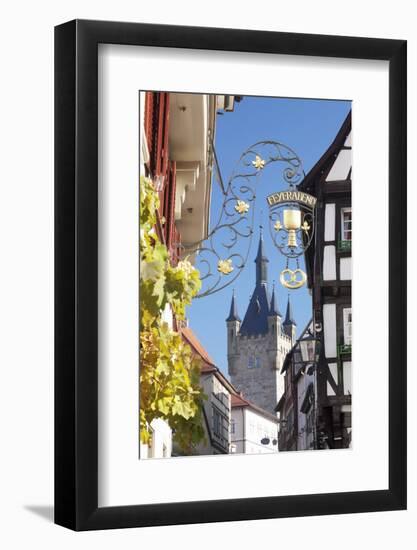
point(258, 162)
point(305, 227)
point(242, 207)
point(225, 266)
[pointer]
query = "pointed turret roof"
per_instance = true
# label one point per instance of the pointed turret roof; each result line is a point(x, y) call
point(289, 317)
point(273, 308)
point(261, 261)
point(256, 316)
point(233, 315)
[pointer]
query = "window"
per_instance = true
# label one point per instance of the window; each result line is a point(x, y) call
point(347, 326)
point(346, 228)
point(217, 423)
point(254, 362)
point(232, 426)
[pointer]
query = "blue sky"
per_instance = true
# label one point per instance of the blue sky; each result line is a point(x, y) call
point(308, 127)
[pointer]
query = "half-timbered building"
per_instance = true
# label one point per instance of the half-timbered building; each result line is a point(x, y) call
point(296, 408)
point(329, 272)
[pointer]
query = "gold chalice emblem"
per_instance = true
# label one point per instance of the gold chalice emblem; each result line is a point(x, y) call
point(292, 222)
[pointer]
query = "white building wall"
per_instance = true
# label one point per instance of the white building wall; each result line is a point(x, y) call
point(333, 372)
point(258, 427)
point(237, 436)
point(330, 222)
point(329, 263)
point(347, 377)
point(329, 326)
point(346, 269)
point(161, 445)
point(341, 167)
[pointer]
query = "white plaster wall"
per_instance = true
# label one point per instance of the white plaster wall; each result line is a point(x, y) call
point(329, 326)
point(161, 441)
point(256, 428)
point(341, 167)
point(329, 222)
point(347, 377)
point(348, 142)
point(329, 263)
point(237, 438)
point(334, 373)
point(346, 269)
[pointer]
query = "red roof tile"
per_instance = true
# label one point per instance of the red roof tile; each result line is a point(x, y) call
point(193, 341)
point(207, 366)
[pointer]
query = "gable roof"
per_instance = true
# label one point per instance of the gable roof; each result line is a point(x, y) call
point(207, 365)
point(238, 401)
point(321, 171)
point(196, 346)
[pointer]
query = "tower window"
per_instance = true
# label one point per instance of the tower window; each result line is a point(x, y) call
point(254, 362)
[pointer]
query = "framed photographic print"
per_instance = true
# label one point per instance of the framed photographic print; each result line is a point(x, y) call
point(230, 275)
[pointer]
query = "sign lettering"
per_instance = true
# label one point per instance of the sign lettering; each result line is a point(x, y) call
point(291, 196)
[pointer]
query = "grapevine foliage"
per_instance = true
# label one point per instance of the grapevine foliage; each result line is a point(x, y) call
point(169, 373)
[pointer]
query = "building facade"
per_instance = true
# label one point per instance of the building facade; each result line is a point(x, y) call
point(296, 408)
point(217, 408)
point(257, 346)
point(176, 153)
point(329, 270)
point(252, 430)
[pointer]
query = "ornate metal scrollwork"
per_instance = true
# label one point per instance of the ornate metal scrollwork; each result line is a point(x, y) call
point(222, 255)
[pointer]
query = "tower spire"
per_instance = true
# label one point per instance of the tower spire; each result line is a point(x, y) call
point(233, 314)
point(289, 317)
point(261, 261)
point(273, 308)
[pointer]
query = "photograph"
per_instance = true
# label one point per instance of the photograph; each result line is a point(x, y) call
point(245, 313)
point(207, 314)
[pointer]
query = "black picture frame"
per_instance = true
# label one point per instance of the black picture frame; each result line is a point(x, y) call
point(76, 271)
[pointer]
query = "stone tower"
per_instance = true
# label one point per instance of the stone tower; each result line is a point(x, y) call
point(257, 346)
